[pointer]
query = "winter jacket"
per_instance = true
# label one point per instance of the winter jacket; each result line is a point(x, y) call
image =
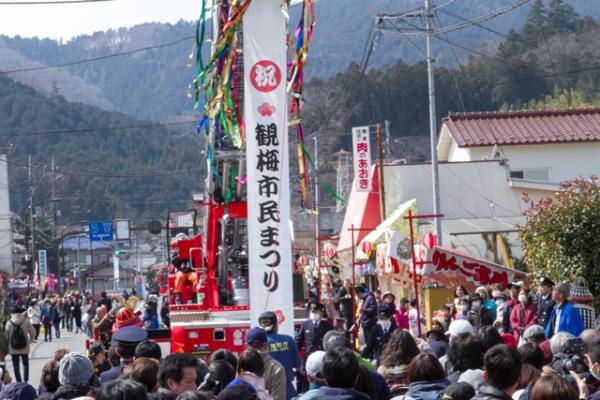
point(479, 318)
point(329, 393)
point(35, 314)
point(427, 390)
point(377, 341)
point(257, 382)
point(28, 330)
point(569, 321)
point(401, 318)
point(49, 314)
point(522, 317)
point(396, 378)
point(368, 311)
point(488, 392)
point(274, 377)
point(69, 392)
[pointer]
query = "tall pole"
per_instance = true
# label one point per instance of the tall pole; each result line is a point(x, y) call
point(32, 222)
point(433, 124)
point(388, 148)
point(380, 174)
point(317, 211)
point(92, 266)
point(78, 264)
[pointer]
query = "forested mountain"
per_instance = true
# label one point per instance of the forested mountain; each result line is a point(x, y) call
point(137, 171)
point(554, 57)
point(153, 83)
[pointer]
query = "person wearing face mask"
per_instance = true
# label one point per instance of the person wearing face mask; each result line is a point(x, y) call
point(478, 315)
point(462, 308)
point(380, 334)
point(523, 315)
point(310, 335)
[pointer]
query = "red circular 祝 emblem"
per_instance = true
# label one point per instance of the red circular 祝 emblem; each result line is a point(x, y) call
point(265, 76)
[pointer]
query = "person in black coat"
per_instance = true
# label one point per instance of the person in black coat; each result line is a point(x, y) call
point(343, 301)
point(478, 315)
point(77, 314)
point(380, 334)
point(545, 302)
point(310, 335)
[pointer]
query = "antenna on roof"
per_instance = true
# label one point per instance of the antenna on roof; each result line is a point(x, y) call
point(495, 155)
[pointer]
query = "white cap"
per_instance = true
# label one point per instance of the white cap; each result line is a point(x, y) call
point(314, 362)
point(459, 327)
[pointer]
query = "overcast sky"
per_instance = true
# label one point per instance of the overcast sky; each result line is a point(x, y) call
point(69, 20)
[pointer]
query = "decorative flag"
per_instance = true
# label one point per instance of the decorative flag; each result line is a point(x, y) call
point(267, 158)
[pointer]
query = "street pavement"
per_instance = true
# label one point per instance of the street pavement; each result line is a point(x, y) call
point(42, 352)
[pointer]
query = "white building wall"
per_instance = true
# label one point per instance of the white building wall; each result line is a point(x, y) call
point(565, 160)
point(6, 237)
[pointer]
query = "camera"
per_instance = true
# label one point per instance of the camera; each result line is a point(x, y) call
point(575, 346)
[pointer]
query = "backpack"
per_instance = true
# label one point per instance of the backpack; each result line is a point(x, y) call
point(18, 341)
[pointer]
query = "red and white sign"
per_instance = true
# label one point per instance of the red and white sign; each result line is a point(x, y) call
point(267, 162)
point(451, 267)
point(265, 76)
point(361, 148)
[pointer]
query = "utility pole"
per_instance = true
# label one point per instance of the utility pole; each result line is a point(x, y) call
point(388, 148)
point(32, 222)
point(433, 123)
point(317, 211)
point(380, 174)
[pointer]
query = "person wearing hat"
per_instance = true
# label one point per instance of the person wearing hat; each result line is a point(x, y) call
point(127, 339)
point(368, 310)
point(76, 376)
point(478, 315)
point(501, 300)
point(310, 335)
point(544, 302)
point(582, 300)
point(97, 356)
point(380, 334)
point(126, 317)
point(314, 363)
point(309, 338)
point(274, 374)
point(282, 348)
point(437, 340)
point(564, 317)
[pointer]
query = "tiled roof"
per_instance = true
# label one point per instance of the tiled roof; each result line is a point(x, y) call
point(524, 127)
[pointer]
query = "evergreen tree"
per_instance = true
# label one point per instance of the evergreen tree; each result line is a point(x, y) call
point(561, 17)
point(535, 23)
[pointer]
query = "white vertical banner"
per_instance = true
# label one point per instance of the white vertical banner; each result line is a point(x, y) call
point(267, 158)
point(361, 149)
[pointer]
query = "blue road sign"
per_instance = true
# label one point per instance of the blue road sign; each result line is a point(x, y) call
point(101, 231)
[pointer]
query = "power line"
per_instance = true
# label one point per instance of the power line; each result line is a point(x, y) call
point(105, 128)
point(29, 3)
point(450, 14)
point(104, 57)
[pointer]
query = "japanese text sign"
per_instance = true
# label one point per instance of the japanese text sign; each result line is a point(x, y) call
point(361, 149)
point(267, 160)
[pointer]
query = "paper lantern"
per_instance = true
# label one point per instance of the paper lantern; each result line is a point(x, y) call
point(329, 252)
point(302, 260)
point(429, 240)
point(366, 248)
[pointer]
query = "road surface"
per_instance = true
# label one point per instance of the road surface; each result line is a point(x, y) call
point(42, 352)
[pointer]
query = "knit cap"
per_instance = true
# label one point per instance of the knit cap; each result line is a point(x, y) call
point(75, 369)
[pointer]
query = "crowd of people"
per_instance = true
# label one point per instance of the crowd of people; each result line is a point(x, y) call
point(495, 343)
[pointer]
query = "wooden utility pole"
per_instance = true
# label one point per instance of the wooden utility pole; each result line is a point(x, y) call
point(380, 168)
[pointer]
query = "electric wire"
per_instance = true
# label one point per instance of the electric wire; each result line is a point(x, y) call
point(99, 58)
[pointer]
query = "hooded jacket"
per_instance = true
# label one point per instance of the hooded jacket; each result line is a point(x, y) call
point(28, 330)
point(330, 393)
point(427, 390)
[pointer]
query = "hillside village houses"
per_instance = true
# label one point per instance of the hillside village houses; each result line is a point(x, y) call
point(487, 161)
